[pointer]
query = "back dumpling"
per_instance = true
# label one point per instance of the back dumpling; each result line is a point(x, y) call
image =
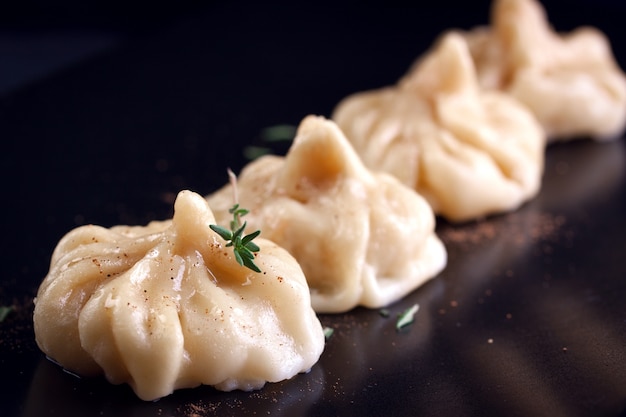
point(571, 82)
point(361, 238)
point(468, 151)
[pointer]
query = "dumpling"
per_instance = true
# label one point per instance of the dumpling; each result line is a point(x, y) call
point(361, 238)
point(469, 152)
point(166, 306)
point(570, 82)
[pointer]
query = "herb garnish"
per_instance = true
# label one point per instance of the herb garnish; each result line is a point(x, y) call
point(406, 317)
point(243, 246)
point(253, 152)
point(271, 134)
point(4, 312)
point(328, 332)
point(279, 133)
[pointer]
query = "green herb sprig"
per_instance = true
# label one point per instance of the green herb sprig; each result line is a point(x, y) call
point(269, 135)
point(243, 246)
point(279, 133)
point(328, 332)
point(4, 312)
point(406, 317)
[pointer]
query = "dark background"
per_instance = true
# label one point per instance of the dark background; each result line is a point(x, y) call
point(108, 109)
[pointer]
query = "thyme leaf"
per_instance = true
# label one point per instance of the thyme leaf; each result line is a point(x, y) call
point(4, 312)
point(243, 246)
point(222, 231)
point(252, 152)
point(279, 133)
point(328, 332)
point(406, 317)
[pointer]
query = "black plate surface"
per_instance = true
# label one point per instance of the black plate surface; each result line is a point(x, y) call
point(528, 319)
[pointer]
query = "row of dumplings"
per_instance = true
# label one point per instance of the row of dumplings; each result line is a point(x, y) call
point(347, 216)
point(167, 306)
point(467, 126)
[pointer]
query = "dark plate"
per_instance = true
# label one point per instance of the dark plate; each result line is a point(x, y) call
point(528, 319)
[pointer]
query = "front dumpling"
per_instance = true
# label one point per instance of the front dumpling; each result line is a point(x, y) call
point(361, 238)
point(168, 307)
point(469, 152)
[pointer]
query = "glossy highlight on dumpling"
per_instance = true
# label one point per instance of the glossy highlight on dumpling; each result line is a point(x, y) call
point(361, 237)
point(571, 82)
point(166, 306)
point(469, 152)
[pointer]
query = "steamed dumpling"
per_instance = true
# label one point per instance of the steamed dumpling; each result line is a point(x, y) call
point(570, 82)
point(362, 238)
point(469, 152)
point(166, 306)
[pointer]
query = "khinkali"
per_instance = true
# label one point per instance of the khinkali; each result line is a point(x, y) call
point(469, 152)
point(571, 82)
point(361, 237)
point(166, 306)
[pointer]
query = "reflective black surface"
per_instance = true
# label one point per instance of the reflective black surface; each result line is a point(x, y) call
point(528, 319)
